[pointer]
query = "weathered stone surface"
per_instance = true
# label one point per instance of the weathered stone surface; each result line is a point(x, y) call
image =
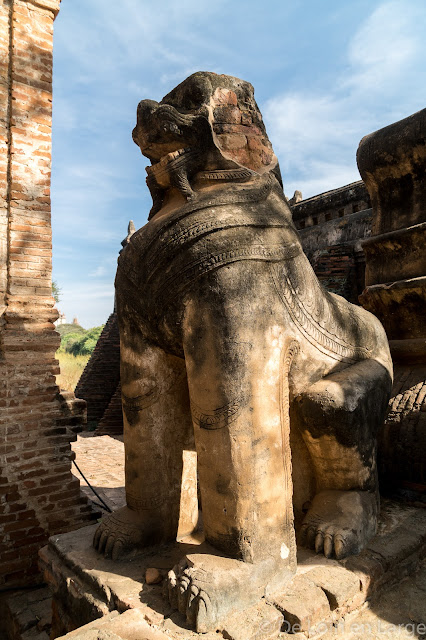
point(262, 622)
point(409, 536)
point(303, 605)
point(130, 625)
point(338, 584)
point(74, 570)
point(392, 162)
point(395, 552)
point(404, 247)
point(203, 365)
point(396, 613)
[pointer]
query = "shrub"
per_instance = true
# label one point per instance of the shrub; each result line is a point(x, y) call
point(64, 329)
point(83, 344)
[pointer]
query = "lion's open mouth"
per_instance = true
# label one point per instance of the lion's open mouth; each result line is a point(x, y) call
point(167, 157)
point(161, 165)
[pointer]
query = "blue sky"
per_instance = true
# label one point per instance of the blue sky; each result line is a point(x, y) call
point(325, 72)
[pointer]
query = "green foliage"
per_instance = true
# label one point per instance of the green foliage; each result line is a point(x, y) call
point(64, 329)
point(79, 342)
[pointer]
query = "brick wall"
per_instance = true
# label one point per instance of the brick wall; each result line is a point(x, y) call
point(38, 494)
point(335, 268)
point(331, 205)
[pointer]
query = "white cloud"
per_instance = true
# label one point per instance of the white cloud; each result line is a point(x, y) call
point(91, 303)
point(161, 35)
point(384, 47)
point(316, 134)
point(321, 176)
point(98, 272)
point(302, 122)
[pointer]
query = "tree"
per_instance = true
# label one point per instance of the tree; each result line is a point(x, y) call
point(56, 291)
point(78, 341)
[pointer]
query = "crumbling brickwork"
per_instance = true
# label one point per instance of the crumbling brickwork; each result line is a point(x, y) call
point(335, 268)
point(402, 460)
point(111, 423)
point(38, 494)
point(332, 226)
point(101, 376)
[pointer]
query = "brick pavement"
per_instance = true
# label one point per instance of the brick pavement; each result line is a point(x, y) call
point(101, 459)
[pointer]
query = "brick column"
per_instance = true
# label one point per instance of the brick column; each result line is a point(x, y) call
point(38, 494)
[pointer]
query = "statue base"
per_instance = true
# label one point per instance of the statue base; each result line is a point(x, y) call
point(115, 597)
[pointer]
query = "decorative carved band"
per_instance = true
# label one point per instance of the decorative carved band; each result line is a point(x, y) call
point(140, 504)
point(316, 330)
point(148, 235)
point(132, 406)
point(218, 418)
point(225, 174)
point(198, 226)
point(190, 272)
point(288, 354)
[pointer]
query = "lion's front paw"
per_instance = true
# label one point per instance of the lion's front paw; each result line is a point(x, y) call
point(207, 588)
point(119, 532)
point(340, 523)
point(188, 591)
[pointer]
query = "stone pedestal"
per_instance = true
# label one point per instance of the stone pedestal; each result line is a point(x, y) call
point(392, 163)
point(100, 594)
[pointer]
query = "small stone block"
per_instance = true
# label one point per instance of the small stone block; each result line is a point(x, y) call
point(127, 626)
point(339, 585)
point(262, 622)
point(400, 543)
point(153, 576)
point(225, 96)
point(369, 570)
point(303, 605)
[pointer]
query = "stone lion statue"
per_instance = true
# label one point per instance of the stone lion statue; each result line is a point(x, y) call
point(228, 342)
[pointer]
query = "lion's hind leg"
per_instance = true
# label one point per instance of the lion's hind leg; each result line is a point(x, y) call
point(339, 417)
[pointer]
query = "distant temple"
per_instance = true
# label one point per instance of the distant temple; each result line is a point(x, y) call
point(61, 320)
